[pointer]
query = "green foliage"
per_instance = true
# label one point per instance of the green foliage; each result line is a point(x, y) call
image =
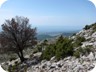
point(12, 68)
point(87, 27)
point(76, 54)
point(81, 39)
point(48, 52)
point(16, 68)
point(61, 49)
point(45, 42)
point(78, 41)
point(92, 26)
point(60, 39)
point(64, 48)
point(39, 48)
point(73, 34)
point(82, 51)
point(35, 50)
point(88, 49)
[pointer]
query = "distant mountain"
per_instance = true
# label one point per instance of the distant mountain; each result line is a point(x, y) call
point(68, 34)
point(43, 36)
point(54, 34)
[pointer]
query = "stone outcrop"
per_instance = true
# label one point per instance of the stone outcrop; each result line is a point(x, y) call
point(86, 63)
point(68, 64)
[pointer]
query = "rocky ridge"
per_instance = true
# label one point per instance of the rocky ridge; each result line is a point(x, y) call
point(72, 64)
point(69, 64)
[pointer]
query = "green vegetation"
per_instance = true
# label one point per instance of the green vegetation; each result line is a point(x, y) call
point(78, 41)
point(83, 51)
point(76, 54)
point(61, 49)
point(48, 52)
point(93, 26)
point(65, 47)
point(17, 67)
point(40, 47)
point(73, 34)
point(87, 27)
point(87, 50)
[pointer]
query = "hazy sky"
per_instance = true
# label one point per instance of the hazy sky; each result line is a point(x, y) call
point(51, 15)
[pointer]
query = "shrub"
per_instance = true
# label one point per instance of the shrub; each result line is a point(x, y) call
point(60, 39)
point(39, 48)
point(45, 42)
point(88, 49)
point(80, 38)
point(82, 51)
point(76, 54)
point(74, 34)
point(12, 68)
point(35, 50)
point(48, 52)
point(78, 41)
point(64, 49)
point(61, 49)
point(16, 68)
point(93, 26)
point(87, 27)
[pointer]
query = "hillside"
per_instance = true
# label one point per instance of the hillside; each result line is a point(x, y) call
point(51, 35)
point(62, 54)
point(43, 36)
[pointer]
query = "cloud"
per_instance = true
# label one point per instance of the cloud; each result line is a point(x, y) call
point(2, 2)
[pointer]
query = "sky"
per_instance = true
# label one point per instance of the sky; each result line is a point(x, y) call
point(51, 15)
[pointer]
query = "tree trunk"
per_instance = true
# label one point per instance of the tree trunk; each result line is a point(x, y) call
point(22, 57)
point(20, 54)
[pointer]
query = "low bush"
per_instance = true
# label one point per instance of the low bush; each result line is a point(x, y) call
point(76, 54)
point(61, 49)
point(78, 41)
point(83, 51)
point(80, 38)
point(88, 49)
point(48, 52)
point(87, 27)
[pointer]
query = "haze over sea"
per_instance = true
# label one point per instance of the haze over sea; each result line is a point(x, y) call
point(51, 15)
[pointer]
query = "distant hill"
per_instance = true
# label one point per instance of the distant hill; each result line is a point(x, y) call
point(68, 34)
point(54, 34)
point(43, 36)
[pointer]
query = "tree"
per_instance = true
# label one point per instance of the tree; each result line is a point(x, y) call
point(17, 35)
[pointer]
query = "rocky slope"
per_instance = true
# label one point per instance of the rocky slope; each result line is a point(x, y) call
point(69, 64)
point(72, 64)
point(85, 63)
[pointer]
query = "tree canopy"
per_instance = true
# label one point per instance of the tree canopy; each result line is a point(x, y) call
point(16, 35)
